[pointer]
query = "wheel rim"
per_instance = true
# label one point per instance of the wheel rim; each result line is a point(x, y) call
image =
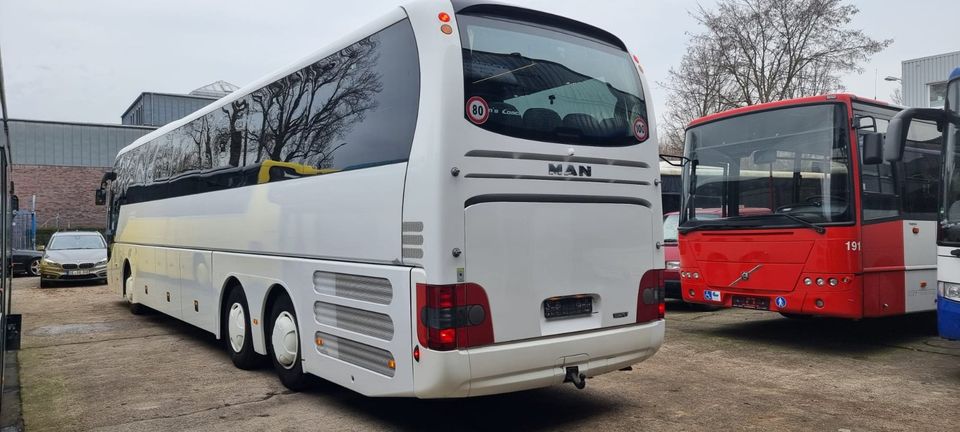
point(237, 327)
point(285, 340)
point(35, 267)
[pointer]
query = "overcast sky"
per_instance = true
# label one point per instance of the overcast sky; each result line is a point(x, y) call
point(88, 60)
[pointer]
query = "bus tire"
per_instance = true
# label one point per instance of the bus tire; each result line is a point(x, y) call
point(283, 345)
point(135, 308)
point(236, 331)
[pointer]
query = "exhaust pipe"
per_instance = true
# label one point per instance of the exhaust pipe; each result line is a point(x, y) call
point(574, 376)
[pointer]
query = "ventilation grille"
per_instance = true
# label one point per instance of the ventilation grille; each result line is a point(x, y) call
point(356, 353)
point(367, 323)
point(364, 288)
point(412, 240)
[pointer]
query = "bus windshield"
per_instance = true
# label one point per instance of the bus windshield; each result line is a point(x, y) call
point(780, 167)
point(546, 85)
point(950, 213)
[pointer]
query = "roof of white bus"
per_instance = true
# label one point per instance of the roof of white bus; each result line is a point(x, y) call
point(374, 26)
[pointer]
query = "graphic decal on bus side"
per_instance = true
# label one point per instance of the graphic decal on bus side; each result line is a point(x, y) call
point(478, 111)
point(640, 129)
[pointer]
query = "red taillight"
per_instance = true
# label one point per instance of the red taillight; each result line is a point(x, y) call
point(452, 317)
point(444, 17)
point(650, 298)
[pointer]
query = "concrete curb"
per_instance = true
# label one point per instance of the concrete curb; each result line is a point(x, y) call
point(11, 414)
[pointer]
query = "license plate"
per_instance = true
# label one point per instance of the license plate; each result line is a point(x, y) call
point(567, 307)
point(748, 302)
point(74, 272)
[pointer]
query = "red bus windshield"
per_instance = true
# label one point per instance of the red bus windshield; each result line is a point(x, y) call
point(781, 167)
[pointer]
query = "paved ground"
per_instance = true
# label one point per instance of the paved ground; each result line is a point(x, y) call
point(88, 364)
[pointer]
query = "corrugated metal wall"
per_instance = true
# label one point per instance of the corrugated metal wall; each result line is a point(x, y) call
point(70, 144)
point(161, 108)
point(919, 73)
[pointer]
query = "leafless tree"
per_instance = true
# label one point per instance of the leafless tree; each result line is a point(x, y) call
point(756, 51)
point(897, 96)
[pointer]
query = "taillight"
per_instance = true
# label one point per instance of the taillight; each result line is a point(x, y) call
point(650, 299)
point(452, 317)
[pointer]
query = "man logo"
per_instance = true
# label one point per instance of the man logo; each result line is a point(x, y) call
point(570, 170)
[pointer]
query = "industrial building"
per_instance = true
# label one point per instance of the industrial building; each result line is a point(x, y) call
point(924, 79)
point(58, 165)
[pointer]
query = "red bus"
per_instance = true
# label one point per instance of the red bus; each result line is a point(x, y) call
point(843, 233)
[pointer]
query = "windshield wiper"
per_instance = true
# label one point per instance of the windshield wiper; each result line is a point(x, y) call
point(715, 225)
point(819, 229)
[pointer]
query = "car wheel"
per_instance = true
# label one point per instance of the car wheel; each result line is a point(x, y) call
point(283, 345)
point(34, 268)
point(237, 333)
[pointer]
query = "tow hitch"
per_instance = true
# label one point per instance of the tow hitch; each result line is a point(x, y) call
point(574, 376)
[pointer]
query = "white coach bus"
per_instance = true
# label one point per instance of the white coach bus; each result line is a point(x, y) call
point(458, 199)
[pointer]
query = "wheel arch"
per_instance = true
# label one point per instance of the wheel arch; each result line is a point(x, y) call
point(229, 284)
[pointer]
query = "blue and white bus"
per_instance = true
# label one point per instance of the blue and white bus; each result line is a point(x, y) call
point(948, 236)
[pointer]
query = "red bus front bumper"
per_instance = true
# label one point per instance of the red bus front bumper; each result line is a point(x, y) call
point(844, 300)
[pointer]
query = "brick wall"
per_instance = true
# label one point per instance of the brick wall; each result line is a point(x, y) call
point(61, 190)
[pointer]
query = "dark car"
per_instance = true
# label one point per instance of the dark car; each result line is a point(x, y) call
point(25, 262)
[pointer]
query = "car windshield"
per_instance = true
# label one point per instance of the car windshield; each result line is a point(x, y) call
point(67, 242)
point(775, 166)
point(950, 213)
point(541, 84)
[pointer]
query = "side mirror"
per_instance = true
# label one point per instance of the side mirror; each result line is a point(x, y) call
point(899, 127)
point(101, 197)
point(872, 148)
point(14, 203)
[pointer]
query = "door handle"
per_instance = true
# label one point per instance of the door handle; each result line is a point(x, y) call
point(955, 252)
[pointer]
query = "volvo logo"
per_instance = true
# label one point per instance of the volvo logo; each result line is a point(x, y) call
point(570, 170)
point(745, 276)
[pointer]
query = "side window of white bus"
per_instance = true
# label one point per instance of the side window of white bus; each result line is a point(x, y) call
point(356, 108)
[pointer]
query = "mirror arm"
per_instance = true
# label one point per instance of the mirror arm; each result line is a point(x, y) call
point(683, 160)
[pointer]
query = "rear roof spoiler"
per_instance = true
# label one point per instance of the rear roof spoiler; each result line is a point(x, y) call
point(493, 9)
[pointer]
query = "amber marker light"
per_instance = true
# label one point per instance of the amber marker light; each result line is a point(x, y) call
point(392, 364)
point(319, 341)
point(446, 29)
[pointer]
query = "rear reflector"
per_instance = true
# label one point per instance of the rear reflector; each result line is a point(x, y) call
point(452, 317)
point(650, 299)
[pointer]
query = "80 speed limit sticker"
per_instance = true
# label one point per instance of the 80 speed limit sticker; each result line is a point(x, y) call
point(640, 129)
point(478, 111)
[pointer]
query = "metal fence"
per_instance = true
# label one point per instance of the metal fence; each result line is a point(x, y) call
point(23, 233)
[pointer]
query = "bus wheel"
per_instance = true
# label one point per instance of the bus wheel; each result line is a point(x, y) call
point(236, 331)
point(284, 344)
point(135, 308)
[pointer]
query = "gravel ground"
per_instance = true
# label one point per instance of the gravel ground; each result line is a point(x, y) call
point(88, 364)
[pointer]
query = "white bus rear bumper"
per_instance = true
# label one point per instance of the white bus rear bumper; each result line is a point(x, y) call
point(530, 364)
